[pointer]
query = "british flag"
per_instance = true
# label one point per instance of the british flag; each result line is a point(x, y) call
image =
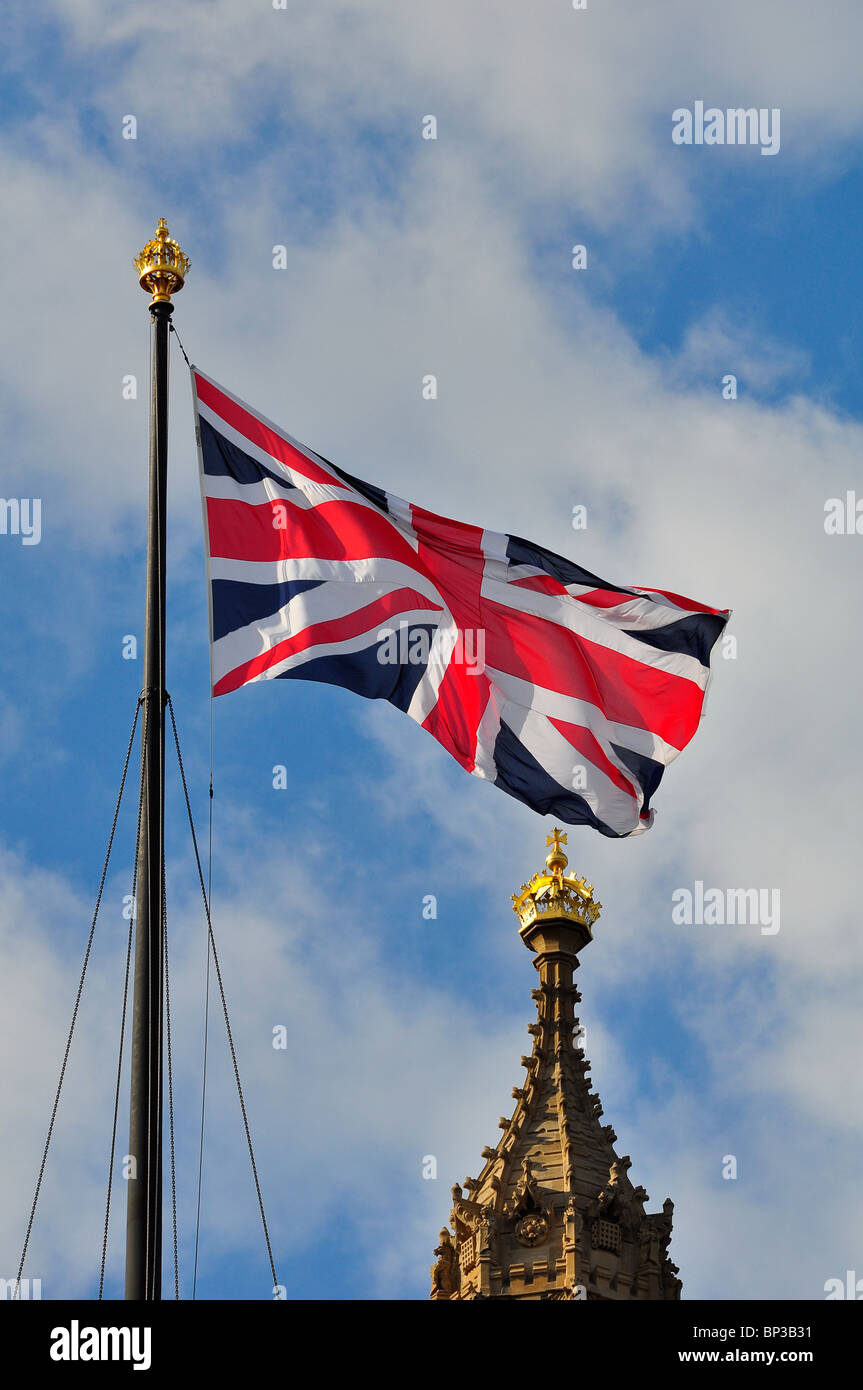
point(570, 693)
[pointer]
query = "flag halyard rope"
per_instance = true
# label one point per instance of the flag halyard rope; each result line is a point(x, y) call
point(77, 1004)
point(206, 1017)
point(122, 1036)
point(224, 1001)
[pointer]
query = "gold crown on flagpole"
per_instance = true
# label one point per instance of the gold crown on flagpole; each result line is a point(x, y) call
point(556, 894)
point(162, 267)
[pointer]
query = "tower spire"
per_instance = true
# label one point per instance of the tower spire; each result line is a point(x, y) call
point(553, 1214)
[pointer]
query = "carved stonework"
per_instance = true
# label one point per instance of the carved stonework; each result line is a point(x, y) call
point(671, 1285)
point(526, 1196)
point(444, 1271)
point(527, 1227)
point(605, 1235)
point(531, 1229)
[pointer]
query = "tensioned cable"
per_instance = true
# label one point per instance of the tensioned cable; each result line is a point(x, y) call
point(77, 1002)
point(170, 1083)
point(132, 917)
point(180, 344)
point(206, 1012)
point(224, 1000)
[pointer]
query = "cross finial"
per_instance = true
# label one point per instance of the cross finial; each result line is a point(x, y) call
point(556, 860)
point(556, 838)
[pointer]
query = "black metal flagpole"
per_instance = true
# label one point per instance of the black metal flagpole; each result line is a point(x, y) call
point(162, 268)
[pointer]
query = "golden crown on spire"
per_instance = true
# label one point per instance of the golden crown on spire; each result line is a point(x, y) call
point(556, 894)
point(162, 267)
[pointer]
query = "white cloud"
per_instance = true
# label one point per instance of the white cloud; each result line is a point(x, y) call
point(722, 343)
point(382, 1069)
point(545, 401)
point(562, 104)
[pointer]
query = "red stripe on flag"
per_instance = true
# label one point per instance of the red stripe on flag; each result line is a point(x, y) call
point(547, 584)
point(279, 531)
point(627, 691)
point(459, 707)
point(686, 602)
point(542, 583)
point(586, 744)
point(451, 554)
point(336, 630)
point(605, 598)
point(258, 433)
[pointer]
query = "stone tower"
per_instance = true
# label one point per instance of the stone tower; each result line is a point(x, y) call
point(553, 1213)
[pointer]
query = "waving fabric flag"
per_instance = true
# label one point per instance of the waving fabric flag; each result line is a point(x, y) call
point(570, 693)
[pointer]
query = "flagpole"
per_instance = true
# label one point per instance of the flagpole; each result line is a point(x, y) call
point(162, 268)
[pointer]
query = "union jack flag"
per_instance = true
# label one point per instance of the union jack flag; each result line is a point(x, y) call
point(570, 693)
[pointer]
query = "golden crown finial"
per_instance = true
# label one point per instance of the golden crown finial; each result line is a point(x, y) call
point(162, 267)
point(556, 895)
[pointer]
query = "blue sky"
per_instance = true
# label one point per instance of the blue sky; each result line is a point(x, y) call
point(405, 256)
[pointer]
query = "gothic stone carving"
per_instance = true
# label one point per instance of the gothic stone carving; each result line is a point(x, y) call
point(444, 1271)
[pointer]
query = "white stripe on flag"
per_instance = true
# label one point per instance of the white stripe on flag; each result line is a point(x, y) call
point(585, 715)
point(559, 759)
